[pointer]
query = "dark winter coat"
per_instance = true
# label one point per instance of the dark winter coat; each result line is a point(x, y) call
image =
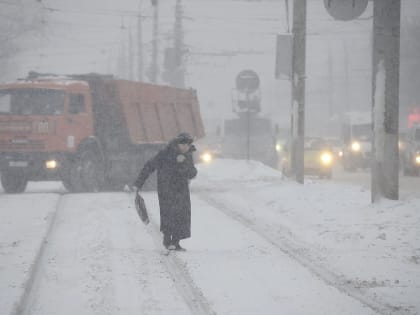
point(173, 189)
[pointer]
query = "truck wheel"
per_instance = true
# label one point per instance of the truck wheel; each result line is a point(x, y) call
point(92, 171)
point(13, 181)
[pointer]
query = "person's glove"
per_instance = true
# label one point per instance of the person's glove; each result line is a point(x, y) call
point(180, 158)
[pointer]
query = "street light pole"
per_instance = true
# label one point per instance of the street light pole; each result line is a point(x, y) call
point(385, 98)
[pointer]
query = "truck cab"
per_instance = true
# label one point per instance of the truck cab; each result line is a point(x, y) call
point(41, 123)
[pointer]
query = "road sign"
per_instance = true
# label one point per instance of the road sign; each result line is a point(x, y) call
point(345, 10)
point(284, 48)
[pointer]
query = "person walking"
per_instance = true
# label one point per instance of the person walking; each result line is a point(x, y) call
point(175, 168)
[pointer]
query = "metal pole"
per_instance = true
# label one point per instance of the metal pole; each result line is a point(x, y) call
point(130, 53)
point(298, 86)
point(139, 47)
point(330, 90)
point(154, 69)
point(348, 107)
point(385, 98)
point(179, 77)
point(248, 131)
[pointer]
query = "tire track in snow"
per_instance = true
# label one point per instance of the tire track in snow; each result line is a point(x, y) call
point(184, 283)
point(287, 246)
point(22, 306)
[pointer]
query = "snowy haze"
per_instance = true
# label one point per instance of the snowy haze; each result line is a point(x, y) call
point(261, 244)
point(221, 38)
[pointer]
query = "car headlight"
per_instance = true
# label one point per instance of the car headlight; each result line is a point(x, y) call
point(51, 164)
point(278, 147)
point(340, 153)
point(206, 157)
point(355, 146)
point(417, 159)
point(326, 158)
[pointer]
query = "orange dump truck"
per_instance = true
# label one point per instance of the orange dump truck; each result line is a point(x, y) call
point(92, 132)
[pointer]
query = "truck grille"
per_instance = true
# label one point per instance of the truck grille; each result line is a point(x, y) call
point(30, 145)
point(15, 126)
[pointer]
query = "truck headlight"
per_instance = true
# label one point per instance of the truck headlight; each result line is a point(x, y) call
point(51, 164)
point(206, 157)
point(326, 158)
point(355, 146)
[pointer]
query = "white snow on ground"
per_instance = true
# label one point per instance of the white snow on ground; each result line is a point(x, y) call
point(23, 224)
point(260, 245)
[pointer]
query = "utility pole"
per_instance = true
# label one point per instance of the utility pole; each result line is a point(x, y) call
point(298, 88)
point(122, 59)
point(348, 107)
point(179, 77)
point(130, 52)
point(385, 98)
point(330, 90)
point(139, 47)
point(154, 66)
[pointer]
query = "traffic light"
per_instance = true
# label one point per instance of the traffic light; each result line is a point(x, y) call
point(345, 10)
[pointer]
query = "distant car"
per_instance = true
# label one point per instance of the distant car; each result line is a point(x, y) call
point(207, 150)
point(410, 152)
point(318, 158)
point(336, 146)
point(357, 154)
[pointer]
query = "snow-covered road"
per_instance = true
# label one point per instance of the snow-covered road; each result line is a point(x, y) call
point(260, 245)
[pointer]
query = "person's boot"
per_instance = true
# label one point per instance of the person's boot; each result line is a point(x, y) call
point(166, 241)
point(177, 246)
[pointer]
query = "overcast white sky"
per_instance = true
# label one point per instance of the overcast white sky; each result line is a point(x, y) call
point(221, 38)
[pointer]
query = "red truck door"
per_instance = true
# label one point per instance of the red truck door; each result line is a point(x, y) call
point(79, 124)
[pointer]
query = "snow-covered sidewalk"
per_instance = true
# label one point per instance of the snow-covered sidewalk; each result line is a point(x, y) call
point(374, 248)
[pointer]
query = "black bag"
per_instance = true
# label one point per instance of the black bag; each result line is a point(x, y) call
point(141, 209)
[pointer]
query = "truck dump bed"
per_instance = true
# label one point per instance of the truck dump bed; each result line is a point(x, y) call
point(156, 113)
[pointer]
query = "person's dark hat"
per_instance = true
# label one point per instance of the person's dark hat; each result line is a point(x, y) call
point(184, 137)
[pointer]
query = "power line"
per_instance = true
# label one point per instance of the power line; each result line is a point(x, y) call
point(132, 13)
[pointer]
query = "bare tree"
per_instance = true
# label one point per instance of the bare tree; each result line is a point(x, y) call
point(18, 20)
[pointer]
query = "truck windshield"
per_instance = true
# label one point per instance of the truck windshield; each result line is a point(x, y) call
point(32, 102)
point(315, 144)
point(361, 132)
